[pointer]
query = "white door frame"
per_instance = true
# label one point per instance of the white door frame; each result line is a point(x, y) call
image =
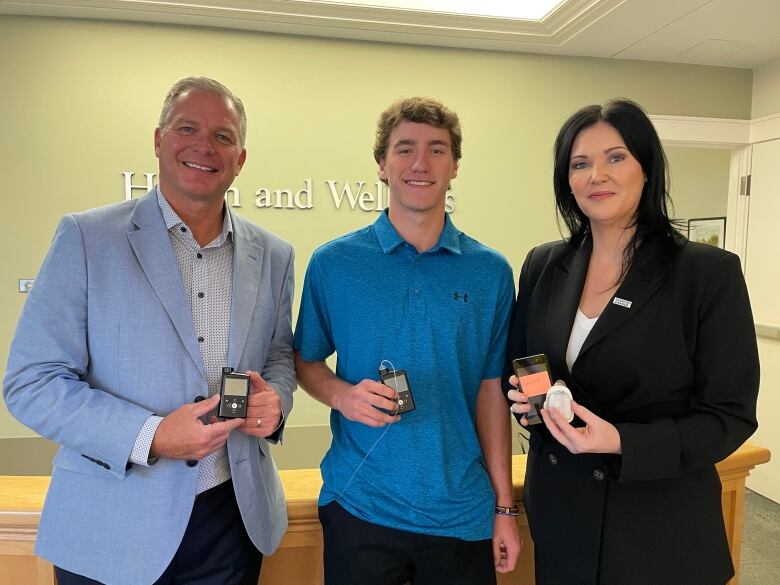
point(736, 136)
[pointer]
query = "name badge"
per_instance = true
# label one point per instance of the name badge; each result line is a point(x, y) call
point(621, 302)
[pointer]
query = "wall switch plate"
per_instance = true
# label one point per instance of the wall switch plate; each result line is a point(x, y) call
point(26, 284)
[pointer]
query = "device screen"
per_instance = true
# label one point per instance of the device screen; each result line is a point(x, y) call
point(533, 374)
point(397, 382)
point(235, 386)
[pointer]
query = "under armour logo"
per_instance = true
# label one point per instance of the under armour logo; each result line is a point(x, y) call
point(456, 296)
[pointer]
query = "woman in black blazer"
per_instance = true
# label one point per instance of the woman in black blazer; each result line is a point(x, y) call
point(654, 337)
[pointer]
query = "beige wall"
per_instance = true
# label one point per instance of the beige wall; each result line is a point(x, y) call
point(81, 99)
point(699, 181)
point(766, 90)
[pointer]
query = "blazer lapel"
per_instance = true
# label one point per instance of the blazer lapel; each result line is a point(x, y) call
point(152, 246)
point(567, 283)
point(247, 268)
point(641, 282)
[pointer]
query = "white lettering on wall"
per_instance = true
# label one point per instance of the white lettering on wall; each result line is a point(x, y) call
point(449, 202)
point(285, 198)
point(355, 195)
point(234, 192)
point(359, 197)
point(129, 186)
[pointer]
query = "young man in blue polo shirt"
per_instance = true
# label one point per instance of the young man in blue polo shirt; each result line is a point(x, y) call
point(425, 496)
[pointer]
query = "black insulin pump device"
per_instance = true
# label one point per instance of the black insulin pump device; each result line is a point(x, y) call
point(397, 380)
point(233, 394)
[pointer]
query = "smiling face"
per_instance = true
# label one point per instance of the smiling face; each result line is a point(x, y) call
point(199, 148)
point(418, 167)
point(604, 176)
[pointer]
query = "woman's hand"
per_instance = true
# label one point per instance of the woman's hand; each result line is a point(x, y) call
point(520, 400)
point(597, 436)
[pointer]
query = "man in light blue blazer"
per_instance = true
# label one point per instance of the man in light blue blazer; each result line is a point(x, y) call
point(135, 311)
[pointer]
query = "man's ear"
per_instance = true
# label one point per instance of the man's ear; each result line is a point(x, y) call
point(241, 160)
point(157, 139)
point(382, 173)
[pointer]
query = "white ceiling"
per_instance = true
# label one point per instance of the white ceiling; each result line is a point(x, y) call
point(732, 33)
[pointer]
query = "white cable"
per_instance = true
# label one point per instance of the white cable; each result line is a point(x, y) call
point(387, 428)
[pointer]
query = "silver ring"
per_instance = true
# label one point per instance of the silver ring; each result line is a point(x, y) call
point(259, 421)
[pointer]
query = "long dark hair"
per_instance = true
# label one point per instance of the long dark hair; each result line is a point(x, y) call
point(651, 220)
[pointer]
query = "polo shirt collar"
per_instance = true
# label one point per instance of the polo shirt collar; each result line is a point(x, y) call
point(389, 239)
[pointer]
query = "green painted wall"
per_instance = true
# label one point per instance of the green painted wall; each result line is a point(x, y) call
point(699, 181)
point(81, 100)
point(766, 90)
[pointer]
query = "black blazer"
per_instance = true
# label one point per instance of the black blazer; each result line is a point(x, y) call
point(677, 373)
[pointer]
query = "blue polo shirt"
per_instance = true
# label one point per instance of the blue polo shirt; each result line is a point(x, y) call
point(442, 315)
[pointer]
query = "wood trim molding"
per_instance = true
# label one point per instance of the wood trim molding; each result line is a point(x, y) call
point(715, 132)
point(765, 128)
point(702, 132)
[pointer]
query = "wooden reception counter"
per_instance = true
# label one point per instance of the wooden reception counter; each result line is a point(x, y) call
point(299, 558)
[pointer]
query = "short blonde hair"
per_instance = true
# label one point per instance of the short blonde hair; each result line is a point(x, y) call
point(204, 84)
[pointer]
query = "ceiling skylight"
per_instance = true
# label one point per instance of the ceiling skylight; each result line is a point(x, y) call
point(520, 9)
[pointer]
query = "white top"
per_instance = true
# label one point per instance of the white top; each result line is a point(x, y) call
point(579, 332)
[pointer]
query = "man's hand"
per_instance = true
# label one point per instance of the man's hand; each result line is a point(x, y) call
point(264, 408)
point(182, 435)
point(507, 543)
point(360, 403)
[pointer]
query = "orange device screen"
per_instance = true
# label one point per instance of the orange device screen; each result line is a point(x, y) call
point(535, 384)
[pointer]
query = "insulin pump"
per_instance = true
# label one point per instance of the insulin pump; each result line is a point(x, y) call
point(397, 380)
point(233, 394)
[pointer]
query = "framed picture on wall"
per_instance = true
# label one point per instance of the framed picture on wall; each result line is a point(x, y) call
point(708, 230)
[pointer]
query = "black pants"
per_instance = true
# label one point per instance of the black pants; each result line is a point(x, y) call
point(361, 553)
point(215, 550)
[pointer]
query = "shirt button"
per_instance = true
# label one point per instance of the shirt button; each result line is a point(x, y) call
point(416, 291)
point(598, 475)
point(200, 338)
point(183, 229)
point(191, 463)
point(200, 295)
point(199, 255)
point(552, 459)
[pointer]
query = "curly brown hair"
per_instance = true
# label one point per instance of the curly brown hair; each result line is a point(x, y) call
point(421, 110)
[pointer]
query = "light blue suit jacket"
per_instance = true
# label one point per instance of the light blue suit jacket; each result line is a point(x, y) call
point(106, 339)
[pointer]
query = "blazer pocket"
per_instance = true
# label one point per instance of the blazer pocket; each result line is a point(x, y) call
point(70, 460)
